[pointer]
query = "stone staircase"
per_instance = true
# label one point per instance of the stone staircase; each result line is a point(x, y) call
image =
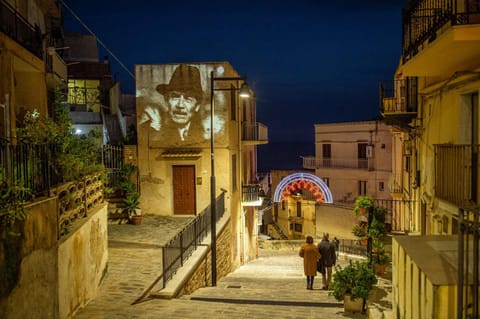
point(116, 211)
point(276, 232)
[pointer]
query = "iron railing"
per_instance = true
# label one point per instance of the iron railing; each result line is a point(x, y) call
point(468, 283)
point(33, 166)
point(20, 30)
point(310, 162)
point(398, 96)
point(252, 193)
point(182, 245)
point(29, 166)
point(456, 173)
point(256, 132)
point(422, 19)
point(352, 247)
point(113, 160)
point(399, 213)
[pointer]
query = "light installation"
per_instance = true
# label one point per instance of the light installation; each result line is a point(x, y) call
point(293, 183)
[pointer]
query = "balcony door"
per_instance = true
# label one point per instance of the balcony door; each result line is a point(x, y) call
point(184, 189)
point(362, 155)
point(327, 155)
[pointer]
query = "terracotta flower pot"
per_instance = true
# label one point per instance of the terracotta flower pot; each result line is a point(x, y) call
point(136, 220)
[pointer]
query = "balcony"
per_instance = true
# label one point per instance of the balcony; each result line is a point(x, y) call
point(252, 195)
point(20, 30)
point(56, 69)
point(438, 35)
point(456, 173)
point(398, 102)
point(254, 133)
point(310, 162)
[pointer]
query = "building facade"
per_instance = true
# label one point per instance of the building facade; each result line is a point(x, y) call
point(433, 104)
point(174, 145)
point(29, 31)
point(353, 158)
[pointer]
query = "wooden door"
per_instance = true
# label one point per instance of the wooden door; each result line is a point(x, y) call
point(184, 190)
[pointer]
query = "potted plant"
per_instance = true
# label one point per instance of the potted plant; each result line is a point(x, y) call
point(353, 284)
point(360, 232)
point(376, 229)
point(132, 208)
point(362, 204)
point(380, 258)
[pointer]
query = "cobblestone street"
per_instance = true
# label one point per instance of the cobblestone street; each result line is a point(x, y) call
point(271, 286)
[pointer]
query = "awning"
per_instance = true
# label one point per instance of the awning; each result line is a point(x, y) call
point(182, 153)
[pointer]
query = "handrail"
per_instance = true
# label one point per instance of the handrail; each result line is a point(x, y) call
point(187, 240)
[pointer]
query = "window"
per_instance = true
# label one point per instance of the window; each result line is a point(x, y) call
point(381, 186)
point(326, 180)
point(327, 155)
point(234, 173)
point(362, 187)
point(299, 209)
point(298, 228)
point(233, 103)
point(84, 95)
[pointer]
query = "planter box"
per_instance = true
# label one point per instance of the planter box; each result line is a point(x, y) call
point(352, 306)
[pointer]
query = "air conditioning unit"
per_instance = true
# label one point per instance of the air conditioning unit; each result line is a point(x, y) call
point(369, 151)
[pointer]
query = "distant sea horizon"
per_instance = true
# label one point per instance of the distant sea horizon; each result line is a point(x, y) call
point(283, 155)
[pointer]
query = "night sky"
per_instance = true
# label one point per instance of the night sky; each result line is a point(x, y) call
point(308, 61)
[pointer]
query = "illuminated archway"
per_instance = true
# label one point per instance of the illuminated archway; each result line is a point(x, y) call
point(299, 181)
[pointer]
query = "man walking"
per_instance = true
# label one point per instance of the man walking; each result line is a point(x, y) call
point(327, 251)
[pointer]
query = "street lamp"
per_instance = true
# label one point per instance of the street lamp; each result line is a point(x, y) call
point(244, 92)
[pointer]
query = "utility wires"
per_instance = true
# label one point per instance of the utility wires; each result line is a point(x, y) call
point(98, 39)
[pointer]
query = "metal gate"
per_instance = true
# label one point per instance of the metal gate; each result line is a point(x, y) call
point(468, 264)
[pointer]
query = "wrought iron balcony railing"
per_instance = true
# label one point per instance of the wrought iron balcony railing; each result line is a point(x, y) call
point(20, 30)
point(255, 132)
point(398, 100)
point(310, 162)
point(395, 184)
point(456, 173)
point(252, 194)
point(55, 65)
point(399, 215)
point(423, 18)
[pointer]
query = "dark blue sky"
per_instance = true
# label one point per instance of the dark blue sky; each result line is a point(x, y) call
point(309, 62)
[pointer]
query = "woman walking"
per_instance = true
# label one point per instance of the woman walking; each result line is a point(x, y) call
point(310, 255)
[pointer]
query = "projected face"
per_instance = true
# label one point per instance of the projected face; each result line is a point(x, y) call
point(181, 107)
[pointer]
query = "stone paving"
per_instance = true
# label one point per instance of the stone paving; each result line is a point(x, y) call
point(271, 286)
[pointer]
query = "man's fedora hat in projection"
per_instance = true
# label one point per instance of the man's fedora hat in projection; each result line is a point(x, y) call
point(185, 79)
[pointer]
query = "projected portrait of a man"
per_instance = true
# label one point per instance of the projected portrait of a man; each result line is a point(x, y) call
point(179, 121)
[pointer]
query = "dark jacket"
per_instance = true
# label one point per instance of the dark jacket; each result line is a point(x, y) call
point(327, 250)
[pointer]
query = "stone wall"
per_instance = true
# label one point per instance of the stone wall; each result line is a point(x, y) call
point(35, 291)
point(82, 262)
point(55, 276)
point(202, 275)
point(337, 220)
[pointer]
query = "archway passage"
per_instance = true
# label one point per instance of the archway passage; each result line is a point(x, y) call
point(303, 181)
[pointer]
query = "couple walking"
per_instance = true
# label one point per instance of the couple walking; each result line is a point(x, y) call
point(319, 258)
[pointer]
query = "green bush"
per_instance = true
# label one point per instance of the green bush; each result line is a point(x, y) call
point(356, 279)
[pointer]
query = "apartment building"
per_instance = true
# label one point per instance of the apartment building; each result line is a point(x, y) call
point(176, 166)
point(353, 158)
point(433, 104)
point(29, 64)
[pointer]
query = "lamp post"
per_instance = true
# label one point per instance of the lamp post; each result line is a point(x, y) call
point(244, 92)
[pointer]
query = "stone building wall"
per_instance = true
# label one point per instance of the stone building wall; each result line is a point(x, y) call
point(202, 275)
point(55, 276)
